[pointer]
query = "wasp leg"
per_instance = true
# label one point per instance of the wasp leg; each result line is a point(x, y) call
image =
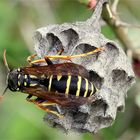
point(37, 62)
point(43, 105)
point(74, 56)
point(47, 103)
point(37, 100)
point(48, 61)
point(49, 110)
point(29, 97)
point(31, 57)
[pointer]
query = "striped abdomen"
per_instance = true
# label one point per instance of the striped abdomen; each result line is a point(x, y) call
point(74, 85)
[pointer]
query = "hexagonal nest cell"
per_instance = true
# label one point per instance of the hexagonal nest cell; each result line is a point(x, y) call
point(109, 70)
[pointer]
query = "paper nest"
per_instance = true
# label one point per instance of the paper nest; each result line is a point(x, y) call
point(110, 71)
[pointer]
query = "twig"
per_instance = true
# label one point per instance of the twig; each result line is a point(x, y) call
point(114, 6)
point(118, 27)
point(124, 24)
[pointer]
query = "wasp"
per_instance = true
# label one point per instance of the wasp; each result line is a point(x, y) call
point(65, 84)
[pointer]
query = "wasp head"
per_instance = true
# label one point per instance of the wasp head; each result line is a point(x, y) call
point(12, 77)
point(12, 80)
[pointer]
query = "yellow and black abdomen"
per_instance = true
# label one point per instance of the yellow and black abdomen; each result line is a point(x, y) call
point(70, 85)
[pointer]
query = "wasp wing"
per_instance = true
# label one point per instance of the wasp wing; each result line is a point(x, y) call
point(57, 69)
point(59, 98)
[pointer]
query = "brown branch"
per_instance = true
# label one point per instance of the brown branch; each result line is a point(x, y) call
point(117, 26)
point(124, 24)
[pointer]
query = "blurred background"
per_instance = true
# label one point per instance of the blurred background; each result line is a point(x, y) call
point(18, 21)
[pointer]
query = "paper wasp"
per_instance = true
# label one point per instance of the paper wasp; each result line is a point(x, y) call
point(65, 84)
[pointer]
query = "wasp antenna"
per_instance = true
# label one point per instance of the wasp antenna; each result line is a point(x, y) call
point(5, 90)
point(5, 60)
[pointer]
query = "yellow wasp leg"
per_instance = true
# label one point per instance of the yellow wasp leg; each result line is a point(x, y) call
point(49, 110)
point(48, 103)
point(44, 105)
point(59, 56)
point(38, 61)
point(74, 56)
point(30, 58)
point(31, 62)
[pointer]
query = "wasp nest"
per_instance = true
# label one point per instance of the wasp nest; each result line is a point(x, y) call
point(109, 70)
